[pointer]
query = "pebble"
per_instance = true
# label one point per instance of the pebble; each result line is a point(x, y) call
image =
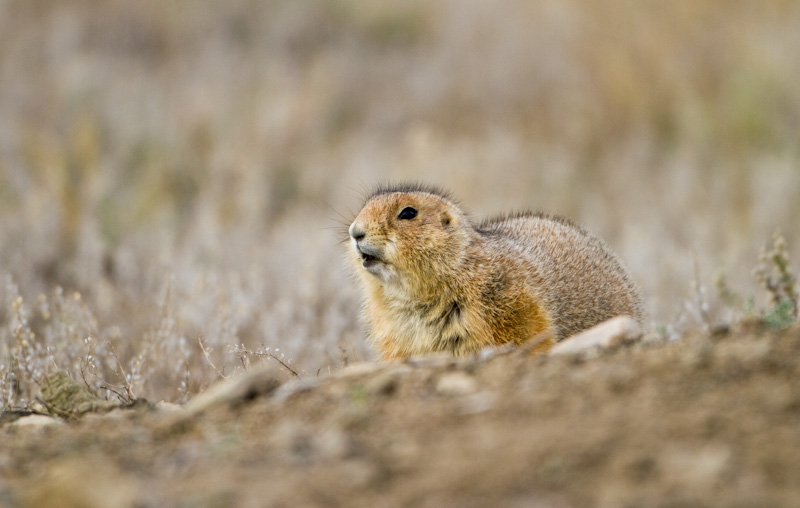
point(618, 330)
point(36, 421)
point(456, 383)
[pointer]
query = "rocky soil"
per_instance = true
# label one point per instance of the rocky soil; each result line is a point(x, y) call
point(709, 420)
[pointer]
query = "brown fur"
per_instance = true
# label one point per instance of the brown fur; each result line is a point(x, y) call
point(438, 283)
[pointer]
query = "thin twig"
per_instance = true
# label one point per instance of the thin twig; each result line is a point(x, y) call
point(54, 410)
point(702, 305)
point(271, 355)
point(83, 377)
point(122, 375)
point(287, 367)
point(121, 397)
point(127, 400)
point(208, 358)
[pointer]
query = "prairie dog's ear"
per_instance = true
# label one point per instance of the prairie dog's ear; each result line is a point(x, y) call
point(446, 218)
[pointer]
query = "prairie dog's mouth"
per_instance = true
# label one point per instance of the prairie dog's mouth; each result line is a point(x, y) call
point(369, 256)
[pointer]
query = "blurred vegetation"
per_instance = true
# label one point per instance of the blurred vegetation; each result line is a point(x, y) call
point(204, 150)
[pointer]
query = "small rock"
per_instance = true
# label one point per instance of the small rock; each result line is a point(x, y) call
point(456, 383)
point(705, 466)
point(490, 352)
point(477, 403)
point(35, 421)
point(234, 390)
point(618, 330)
point(167, 407)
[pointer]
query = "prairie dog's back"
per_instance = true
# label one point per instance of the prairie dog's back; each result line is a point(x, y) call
point(586, 282)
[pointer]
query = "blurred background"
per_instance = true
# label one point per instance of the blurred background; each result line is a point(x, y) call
point(175, 171)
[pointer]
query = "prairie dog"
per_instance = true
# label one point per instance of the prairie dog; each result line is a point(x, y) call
point(434, 281)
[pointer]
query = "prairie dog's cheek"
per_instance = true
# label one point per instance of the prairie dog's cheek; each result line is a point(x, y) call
point(406, 246)
point(390, 252)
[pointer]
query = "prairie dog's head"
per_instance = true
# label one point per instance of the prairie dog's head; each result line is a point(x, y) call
point(403, 234)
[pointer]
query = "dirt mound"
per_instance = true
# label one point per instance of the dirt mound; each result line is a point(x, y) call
point(707, 420)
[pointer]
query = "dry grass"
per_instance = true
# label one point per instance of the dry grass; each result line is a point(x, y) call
point(170, 171)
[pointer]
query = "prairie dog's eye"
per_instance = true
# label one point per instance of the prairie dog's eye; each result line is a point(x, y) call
point(407, 213)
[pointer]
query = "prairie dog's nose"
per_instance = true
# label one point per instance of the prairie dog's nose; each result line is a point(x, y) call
point(357, 231)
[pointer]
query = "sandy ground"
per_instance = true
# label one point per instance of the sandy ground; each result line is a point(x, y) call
point(710, 420)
